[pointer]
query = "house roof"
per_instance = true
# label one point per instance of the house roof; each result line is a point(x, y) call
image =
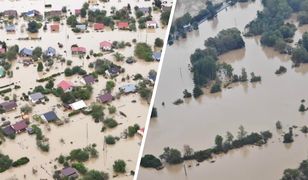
point(89, 79)
point(156, 55)
point(20, 125)
point(77, 11)
point(78, 105)
point(53, 13)
point(122, 25)
point(81, 26)
point(8, 105)
point(107, 97)
point(78, 49)
point(65, 85)
point(2, 50)
point(55, 27)
point(10, 13)
point(10, 27)
point(129, 88)
point(68, 171)
point(2, 71)
point(99, 26)
point(50, 116)
point(151, 23)
point(8, 130)
point(36, 96)
point(105, 44)
point(144, 9)
point(114, 70)
point(50, 51)
point(26, 51)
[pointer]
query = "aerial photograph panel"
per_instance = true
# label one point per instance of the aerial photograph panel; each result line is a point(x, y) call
point(76, 81)
point(232, 95)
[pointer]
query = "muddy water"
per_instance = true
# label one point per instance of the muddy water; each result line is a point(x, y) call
point(255, 106)
point(81, 130)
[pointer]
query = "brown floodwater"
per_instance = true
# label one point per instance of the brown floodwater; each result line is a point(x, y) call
point(255, 106)
point(81, 130)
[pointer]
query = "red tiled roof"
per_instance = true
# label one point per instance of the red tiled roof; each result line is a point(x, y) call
point(77, 11)
point(79, 49)
point(54, 27)
point(105, 44)
point(123, 25)
point(2, 50)
point(99, 26)
point(20, 126)
point(65, 85)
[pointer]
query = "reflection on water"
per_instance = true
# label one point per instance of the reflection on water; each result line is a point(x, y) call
point(255, 106)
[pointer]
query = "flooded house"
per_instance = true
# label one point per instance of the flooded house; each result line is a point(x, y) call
point(54, 28)
point(50, 116)
point(81, 27)
point(25, 52)
point(98, 26)
point(113, 71)
point(2, 71)
point(8, 130)
point(31, 13)
point(123, 25)
point(156, 56)
point(88, 80)
point(69, 173)
point(151, 24)
point(105, 46)
point(78, 50)
point(10, 28)
point(50, 52)
point(8, 106)
point(36, 97)
point(145, 10)
point(53, 13)
point(2, 50)
point(129, 88)
point(78, 105)
point(77, 12)
point(104, 98)
point(66, 86)
point(10, 13)
point(20, 126)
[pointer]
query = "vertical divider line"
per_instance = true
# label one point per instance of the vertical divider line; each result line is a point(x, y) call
point(174, 2)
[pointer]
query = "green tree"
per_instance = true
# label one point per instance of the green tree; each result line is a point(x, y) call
point(159, 42)
point(172, 156)
point(95, 175)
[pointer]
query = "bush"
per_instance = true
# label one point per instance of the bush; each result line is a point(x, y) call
point(119, 166)
point(110, 123)
point(80, 168)
point(79, 155)
point(110, 140)
point(21, 161)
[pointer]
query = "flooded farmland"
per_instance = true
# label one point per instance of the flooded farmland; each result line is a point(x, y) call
point(255, 106)
point(81, 130)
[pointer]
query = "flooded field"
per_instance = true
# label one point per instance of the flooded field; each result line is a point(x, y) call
point(81, 130)
point(255, 106)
